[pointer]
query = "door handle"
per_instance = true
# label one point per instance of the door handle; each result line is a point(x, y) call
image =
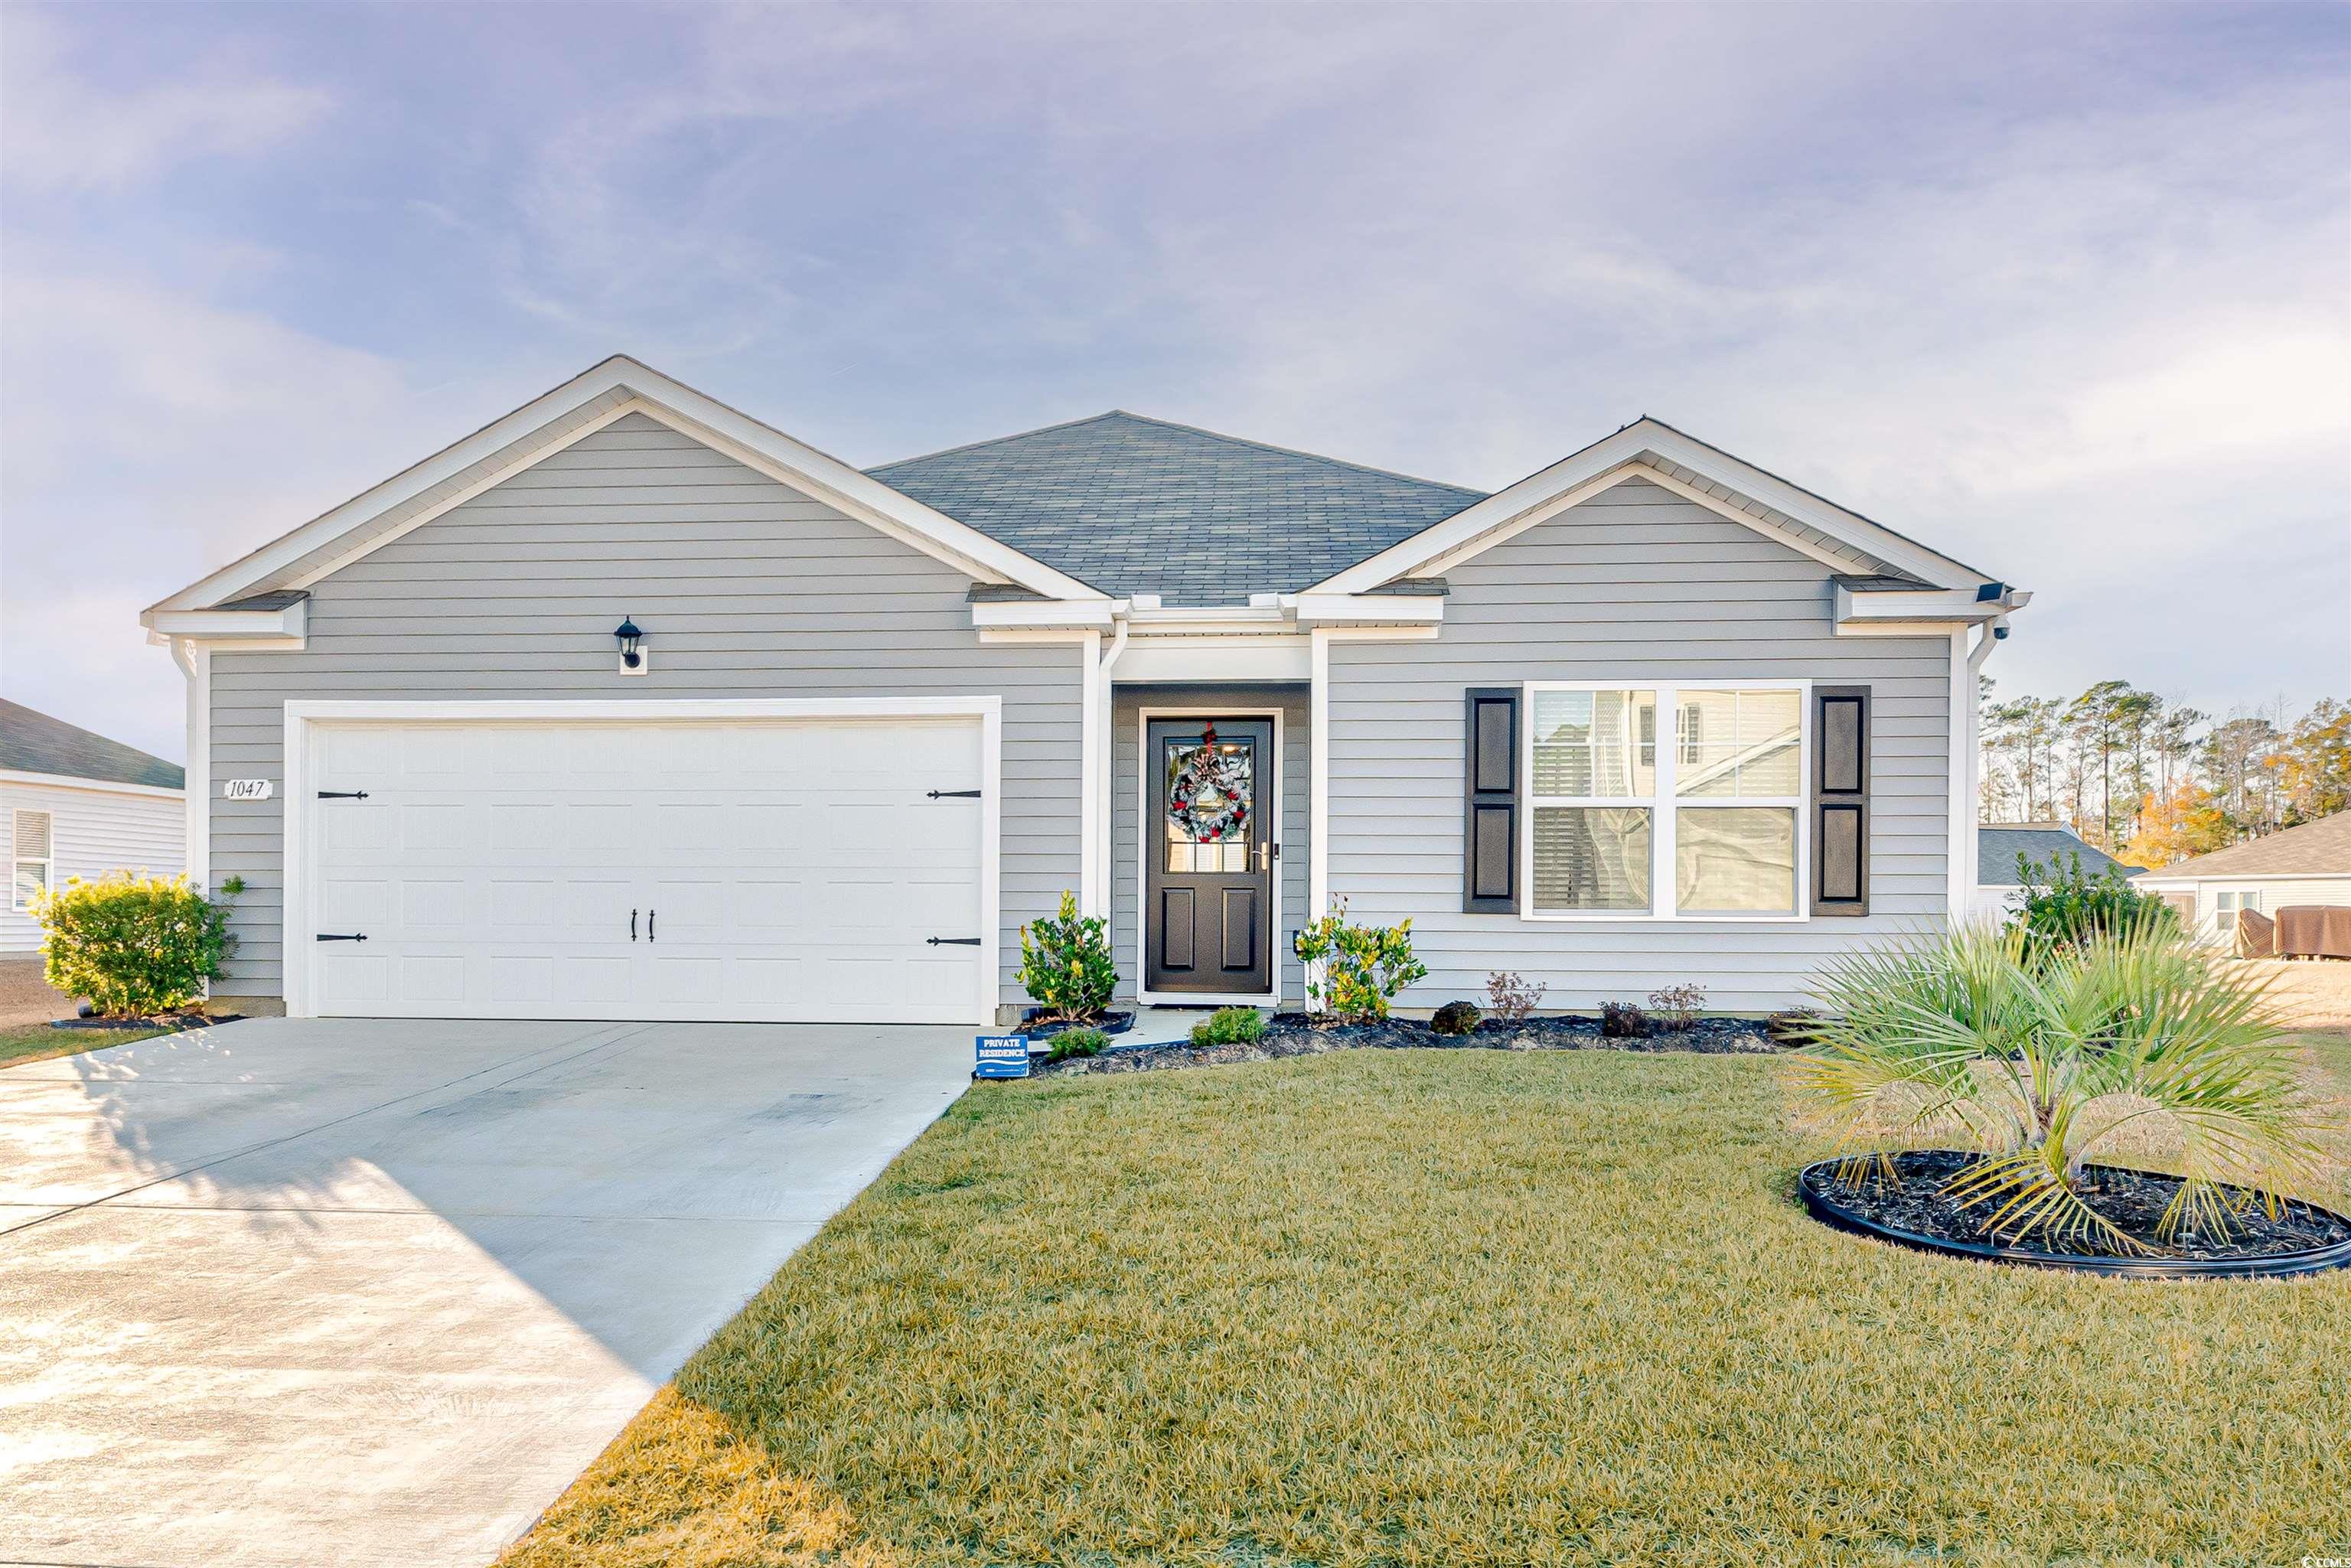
point(649, 913)
point(633, 924)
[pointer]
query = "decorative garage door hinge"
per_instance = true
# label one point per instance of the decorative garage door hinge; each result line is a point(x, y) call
point(342, 794)
point(954, 794)
point(952, 941)
point(355, 936)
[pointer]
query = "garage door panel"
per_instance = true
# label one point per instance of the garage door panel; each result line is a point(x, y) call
point(796, 868)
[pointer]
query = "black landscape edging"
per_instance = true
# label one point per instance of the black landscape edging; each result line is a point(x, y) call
point(1815, 1180)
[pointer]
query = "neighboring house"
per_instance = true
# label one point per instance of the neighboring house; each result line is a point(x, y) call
point(2044, 846)
point(76, 804)
point(2308, 864)
point(1649, 715)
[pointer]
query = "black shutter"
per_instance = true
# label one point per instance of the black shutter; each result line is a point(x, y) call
point(1841, 800)
point(1489, 810)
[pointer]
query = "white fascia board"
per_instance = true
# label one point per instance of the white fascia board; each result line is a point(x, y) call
point(618, 380)
point(95, 785)
point(1092, 615)
point(1158, 660)
point(1936, 604)
point(289, 624)
point(1611, 461)
point(1317, 609)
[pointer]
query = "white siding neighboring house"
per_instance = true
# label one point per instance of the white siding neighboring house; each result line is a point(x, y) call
point(73, 803)
point(2310, 864)
point(2044, 845)
point(1649, 715)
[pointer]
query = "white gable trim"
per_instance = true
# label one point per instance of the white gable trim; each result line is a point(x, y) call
point(577, 409)
point(1626, 456)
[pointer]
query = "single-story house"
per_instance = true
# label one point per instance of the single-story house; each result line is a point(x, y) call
point(630, 705)
point(2044, 846)
point(74, 803)
point(2310, 864)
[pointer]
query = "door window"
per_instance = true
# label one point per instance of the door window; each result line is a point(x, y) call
point(1209, 802)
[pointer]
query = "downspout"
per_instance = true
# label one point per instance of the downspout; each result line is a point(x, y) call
point(1965, 811)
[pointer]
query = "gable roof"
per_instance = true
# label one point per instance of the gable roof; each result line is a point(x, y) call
point(1142, 506)
point(32, 742)
point(564, 415)
point(2321, 848)
point(1651, 450)
point(2044, 844)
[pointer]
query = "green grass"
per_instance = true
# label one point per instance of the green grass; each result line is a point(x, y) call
point(39, 1043)
point(1449, 1309)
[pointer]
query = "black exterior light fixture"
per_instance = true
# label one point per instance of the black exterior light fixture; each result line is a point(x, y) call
point(634, 656)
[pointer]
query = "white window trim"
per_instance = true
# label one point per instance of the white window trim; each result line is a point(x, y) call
point(48, 862)
point(1664, 808)
point(1146, 818)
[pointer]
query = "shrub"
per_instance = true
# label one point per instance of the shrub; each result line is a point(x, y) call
point(2072, 906)
point(132, 945)
point(1230, 1026)
point(1512, 998)
point(1065, 963)
point(1623, 1020)
point(1792, 1026)
point(1456, 1019)
point(1072, 1042)
point(1355, 971)
point(1676, 1007)
point(2038, 1052)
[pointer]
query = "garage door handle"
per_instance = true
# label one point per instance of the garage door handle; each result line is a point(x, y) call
point(355, 936)
point(952, 941)
point(954, 794)
point(633, 924)
point(649, 913)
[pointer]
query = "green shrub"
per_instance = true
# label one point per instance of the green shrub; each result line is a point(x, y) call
point(2072, 906)
point(1072, 1042)
point(133, 944)
point(1230, 1026)
point(2039, 1053)
point(1065, 963)
point(1623, 1020)
point(1355, 971)
point(1456, 1019)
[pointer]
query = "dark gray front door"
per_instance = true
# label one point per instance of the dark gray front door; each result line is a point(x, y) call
point(1207, 921)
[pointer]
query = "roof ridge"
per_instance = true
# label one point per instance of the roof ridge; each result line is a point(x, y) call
point(1192, 430)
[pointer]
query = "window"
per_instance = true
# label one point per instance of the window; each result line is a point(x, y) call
point(36, 858)
point(1707, 825)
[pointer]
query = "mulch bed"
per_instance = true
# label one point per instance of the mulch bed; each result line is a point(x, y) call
point(1914, 1201)
point(163, 1021)
point(1294, 1034)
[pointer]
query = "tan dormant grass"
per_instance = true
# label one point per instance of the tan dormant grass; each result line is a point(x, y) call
point(1453, 1308)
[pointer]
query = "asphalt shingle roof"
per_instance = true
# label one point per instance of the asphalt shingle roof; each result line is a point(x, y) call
point(32, 742)
point(1998, 846)
point(2314, 849)
point(1139, 505)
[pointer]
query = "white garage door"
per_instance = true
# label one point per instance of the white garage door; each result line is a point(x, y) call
point(793, 869)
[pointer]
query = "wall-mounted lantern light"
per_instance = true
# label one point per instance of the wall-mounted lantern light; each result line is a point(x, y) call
point(634, 655)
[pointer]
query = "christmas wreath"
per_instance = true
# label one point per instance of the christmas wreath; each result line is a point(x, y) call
point(1209, 790)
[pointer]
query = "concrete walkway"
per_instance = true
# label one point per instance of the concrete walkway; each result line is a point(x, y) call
point(373, 1293)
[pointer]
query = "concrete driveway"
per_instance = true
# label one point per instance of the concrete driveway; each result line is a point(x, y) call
point(373, 1291)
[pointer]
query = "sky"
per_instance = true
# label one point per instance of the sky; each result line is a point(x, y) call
point(2064, 291)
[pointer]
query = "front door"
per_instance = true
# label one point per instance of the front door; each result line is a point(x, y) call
point(1209, 859)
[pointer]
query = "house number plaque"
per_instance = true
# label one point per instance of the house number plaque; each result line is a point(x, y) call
point(245, 789)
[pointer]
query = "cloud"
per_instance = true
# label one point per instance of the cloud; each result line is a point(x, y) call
point(66, 130)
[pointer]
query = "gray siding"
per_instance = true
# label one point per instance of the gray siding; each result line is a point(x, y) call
point(1125, 866)
point(1635, 584)
point(745, 587)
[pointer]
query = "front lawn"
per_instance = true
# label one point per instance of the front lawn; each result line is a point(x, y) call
point(1454, 1308)
point(39, 1043)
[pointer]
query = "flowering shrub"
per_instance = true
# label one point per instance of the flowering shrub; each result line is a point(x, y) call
point(1065, 962)
point(1355, 971)
point(132, 945)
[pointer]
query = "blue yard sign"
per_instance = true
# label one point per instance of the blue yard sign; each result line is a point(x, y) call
point(1002, 1056)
